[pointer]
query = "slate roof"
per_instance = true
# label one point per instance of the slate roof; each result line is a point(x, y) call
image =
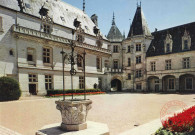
point(157, 45)
point(139, 25)
point(114, 35)
point(61, 12)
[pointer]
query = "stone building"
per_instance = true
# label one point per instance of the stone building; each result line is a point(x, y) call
point(159, 61)
point(32, 36)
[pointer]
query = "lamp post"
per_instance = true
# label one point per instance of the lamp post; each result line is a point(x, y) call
point(63, 60)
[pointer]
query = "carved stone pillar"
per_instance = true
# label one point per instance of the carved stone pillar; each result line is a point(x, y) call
point(74, 114)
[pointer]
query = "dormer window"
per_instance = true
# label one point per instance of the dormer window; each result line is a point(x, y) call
point(168, 44)
point(185, 44)
point(47, 28)
point(99, 43)
point(168, 48)
point(80, 38)
point(186, 41)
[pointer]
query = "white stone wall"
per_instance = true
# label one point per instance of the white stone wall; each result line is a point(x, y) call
point(9, 64)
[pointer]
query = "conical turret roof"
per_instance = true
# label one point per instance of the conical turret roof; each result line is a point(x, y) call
point(114, 34)
point(139, 25)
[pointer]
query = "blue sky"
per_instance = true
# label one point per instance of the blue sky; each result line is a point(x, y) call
point(160, 14)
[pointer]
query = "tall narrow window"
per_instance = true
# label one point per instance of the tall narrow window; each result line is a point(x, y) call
point(1, 24)
point(129, 62)
point(115, 48)
point(168, 48)
point(171, 85)
point(138, 47)
point(129, 49)
point(186, 62)
point(98, 63)
point(30, 55)
point(168, 65)
point(115, 64)
point(79, 61)
point(185, 44)
point(81, 82)
point(48, 82)
point(138, 59)
point(129, 76)
point(138, 73)
point(153, 66)
point(47, 55)
point(189, 83)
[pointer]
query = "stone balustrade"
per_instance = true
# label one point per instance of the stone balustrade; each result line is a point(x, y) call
point(111, 70)
point(54, 38)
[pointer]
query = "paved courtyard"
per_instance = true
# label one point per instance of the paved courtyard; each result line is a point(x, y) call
point(121, 111)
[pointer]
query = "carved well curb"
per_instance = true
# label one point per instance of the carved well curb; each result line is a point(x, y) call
point(74, 114)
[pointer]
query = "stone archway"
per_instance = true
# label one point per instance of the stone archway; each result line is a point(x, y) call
point(153, 84)
point(169, 83)
point(187, 82)
point(116, 85)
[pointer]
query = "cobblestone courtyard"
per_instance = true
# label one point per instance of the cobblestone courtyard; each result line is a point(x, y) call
point(121, 111)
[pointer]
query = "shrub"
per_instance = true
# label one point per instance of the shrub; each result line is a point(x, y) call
point(9, 89)
point(54, 92)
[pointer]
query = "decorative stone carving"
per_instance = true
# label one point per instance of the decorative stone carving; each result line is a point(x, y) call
point(74, 114)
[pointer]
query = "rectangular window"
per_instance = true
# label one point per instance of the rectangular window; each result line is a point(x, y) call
point(79, 60)
point(171, 84)
point(186, 63)
point(46, 55)
point(48, 82)
point(185, 44)
point(1, 23)
point(189, 83)
point(115, 64)
point(129, 49)
point(138, 59)
point(46, 28)
point(129, 62)
point(153, 66)
point(138, 47)
point(139, 86)
point(30, 54)
point(81, 82)
point(129, 76)
point(98, 63)
point(138, 73)
point(80, 38)
point(33, 78)
point(168, 48)
point(115, 48)
point(168, 64)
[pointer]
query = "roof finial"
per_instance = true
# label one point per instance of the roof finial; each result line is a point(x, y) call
point(137, 3)
point(113, 19)
point(83, 5)
point(140, 3)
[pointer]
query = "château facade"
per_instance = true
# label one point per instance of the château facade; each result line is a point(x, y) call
point(159, 61)
point(34, 33)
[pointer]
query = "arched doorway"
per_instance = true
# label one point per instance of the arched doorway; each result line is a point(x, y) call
point(116, 85)
point(187, 82)
point(169, 83)
point(153, 84)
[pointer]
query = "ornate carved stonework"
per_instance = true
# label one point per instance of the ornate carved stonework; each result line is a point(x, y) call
point(74, 113)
